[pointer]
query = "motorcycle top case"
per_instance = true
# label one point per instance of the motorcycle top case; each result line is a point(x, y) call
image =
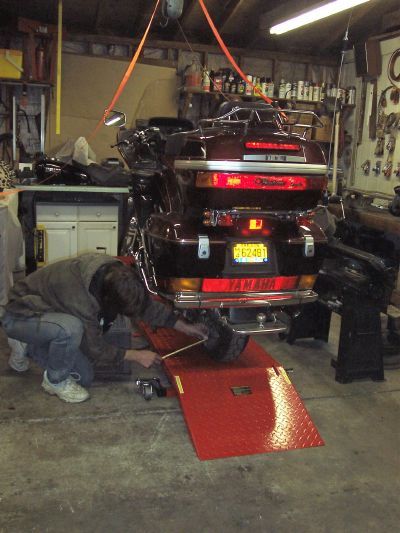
point(228, 168)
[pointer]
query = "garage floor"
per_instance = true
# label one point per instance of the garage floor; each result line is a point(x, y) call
point(120, 464)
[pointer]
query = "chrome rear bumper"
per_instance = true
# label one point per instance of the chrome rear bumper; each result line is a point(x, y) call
point(212, 300)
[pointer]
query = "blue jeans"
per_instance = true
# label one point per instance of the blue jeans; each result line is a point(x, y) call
point(54, 341)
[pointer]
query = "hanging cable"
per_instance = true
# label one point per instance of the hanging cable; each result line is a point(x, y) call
point(229, 55)
point(127, 74)
point(339, 80)
point(203, 67)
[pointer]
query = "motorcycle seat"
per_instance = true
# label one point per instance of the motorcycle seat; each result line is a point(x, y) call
point(109, 176)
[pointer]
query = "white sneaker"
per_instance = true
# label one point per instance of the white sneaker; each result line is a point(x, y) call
point(18, 360)
point(67, 390)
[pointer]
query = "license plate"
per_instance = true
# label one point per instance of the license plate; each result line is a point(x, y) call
point(250, 253)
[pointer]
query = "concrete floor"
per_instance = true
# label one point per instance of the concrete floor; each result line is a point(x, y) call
point(120, 464)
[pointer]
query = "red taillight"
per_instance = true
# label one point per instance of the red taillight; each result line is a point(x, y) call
point(250, 284)
point(225, 220)
point(265, 182)
point(257, 145)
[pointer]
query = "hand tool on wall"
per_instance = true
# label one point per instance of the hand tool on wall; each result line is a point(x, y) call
point(374, 111)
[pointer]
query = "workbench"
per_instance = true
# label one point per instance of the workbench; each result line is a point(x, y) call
point(76, 219)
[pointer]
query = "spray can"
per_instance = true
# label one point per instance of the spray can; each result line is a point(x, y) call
point(218, 82)
point(316, 93)
point(282, 89)
point(271, 87)
point(264, 86)
point(300, 90)
point(323, 91)
point(288, 90)
point(333, 90)
point(249, 88)
point(306, 91)
point(351, 95)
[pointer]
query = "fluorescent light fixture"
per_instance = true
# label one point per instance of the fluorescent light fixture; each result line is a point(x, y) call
point(317, 13)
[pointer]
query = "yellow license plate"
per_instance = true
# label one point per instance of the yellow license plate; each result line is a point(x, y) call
point(250, 253)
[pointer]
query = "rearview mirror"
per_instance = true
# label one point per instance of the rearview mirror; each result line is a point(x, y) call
point(115, 118)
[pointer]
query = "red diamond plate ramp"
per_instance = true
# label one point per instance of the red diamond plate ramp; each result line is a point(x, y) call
point(245, 407)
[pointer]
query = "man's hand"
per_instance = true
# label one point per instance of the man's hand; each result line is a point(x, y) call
point(193, 330)
point(146, 358)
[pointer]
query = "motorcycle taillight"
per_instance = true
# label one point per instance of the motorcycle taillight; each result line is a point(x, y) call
point(258, 145)
point(265, 182)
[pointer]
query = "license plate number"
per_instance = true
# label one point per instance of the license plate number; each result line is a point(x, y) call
point(250, 253)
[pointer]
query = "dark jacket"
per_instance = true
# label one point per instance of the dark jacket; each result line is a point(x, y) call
point(63, 287)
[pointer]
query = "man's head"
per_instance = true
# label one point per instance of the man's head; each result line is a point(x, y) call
point(122, 291)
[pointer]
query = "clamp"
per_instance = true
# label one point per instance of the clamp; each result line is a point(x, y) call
point(147, 387)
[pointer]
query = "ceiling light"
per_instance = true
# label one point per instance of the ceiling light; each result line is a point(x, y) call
point(317, 13)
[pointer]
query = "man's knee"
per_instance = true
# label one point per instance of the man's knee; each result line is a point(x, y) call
point(71, 329)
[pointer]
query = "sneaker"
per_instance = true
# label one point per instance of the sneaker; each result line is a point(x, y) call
point(67, 390)
point(18, 359)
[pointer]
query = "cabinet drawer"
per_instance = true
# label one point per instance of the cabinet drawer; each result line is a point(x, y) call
point(54, 212)
point(90, 213)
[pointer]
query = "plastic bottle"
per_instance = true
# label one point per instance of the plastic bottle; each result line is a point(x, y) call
point(206, 83)
point(282, 89)
point(271, 87)
point(249, 88)
point(193, 75)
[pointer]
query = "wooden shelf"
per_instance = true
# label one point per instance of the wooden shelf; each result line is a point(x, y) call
point(11, 81)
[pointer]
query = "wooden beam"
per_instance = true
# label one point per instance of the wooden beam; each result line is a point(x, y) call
point(230, 9)
point(329, 61)
point(187, 13)
point(142, 60)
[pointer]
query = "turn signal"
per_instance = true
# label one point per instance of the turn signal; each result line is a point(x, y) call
point(255, 224)
point(183, 284)
point(307, 282)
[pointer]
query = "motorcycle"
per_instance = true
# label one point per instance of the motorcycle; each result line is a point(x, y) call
point(222, 217)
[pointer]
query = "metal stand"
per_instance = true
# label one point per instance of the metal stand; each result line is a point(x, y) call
point(360, 346)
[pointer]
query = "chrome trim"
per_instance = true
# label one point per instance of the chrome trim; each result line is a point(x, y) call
point(180, 241)
point(248, 166)
point(213, 300)
point(255, 329)
point(274, 158)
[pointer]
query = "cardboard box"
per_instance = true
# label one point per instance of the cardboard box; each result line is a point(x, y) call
point(324, 134)
point(10, 64)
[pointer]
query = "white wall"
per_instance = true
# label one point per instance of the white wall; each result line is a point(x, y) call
point(365, 150)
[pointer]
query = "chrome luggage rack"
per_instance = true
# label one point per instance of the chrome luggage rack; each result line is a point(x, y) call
point(262, 115)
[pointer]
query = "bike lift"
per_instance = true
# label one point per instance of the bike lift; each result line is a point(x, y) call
point(248, 406)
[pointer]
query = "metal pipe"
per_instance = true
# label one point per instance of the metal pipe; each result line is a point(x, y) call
point(42, 121)
point(14, 128)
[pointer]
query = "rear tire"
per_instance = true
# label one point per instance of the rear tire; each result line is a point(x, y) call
point(223, 344)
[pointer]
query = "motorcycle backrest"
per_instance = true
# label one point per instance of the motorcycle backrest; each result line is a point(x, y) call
point(227, 107)
point(169, 125)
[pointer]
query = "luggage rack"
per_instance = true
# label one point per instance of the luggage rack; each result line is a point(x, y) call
point(278, 118)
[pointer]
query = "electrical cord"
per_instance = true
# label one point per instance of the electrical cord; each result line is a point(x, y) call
point(339, 79)
point(393, 77)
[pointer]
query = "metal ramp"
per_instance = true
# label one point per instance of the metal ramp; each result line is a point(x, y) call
point(245, 407)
